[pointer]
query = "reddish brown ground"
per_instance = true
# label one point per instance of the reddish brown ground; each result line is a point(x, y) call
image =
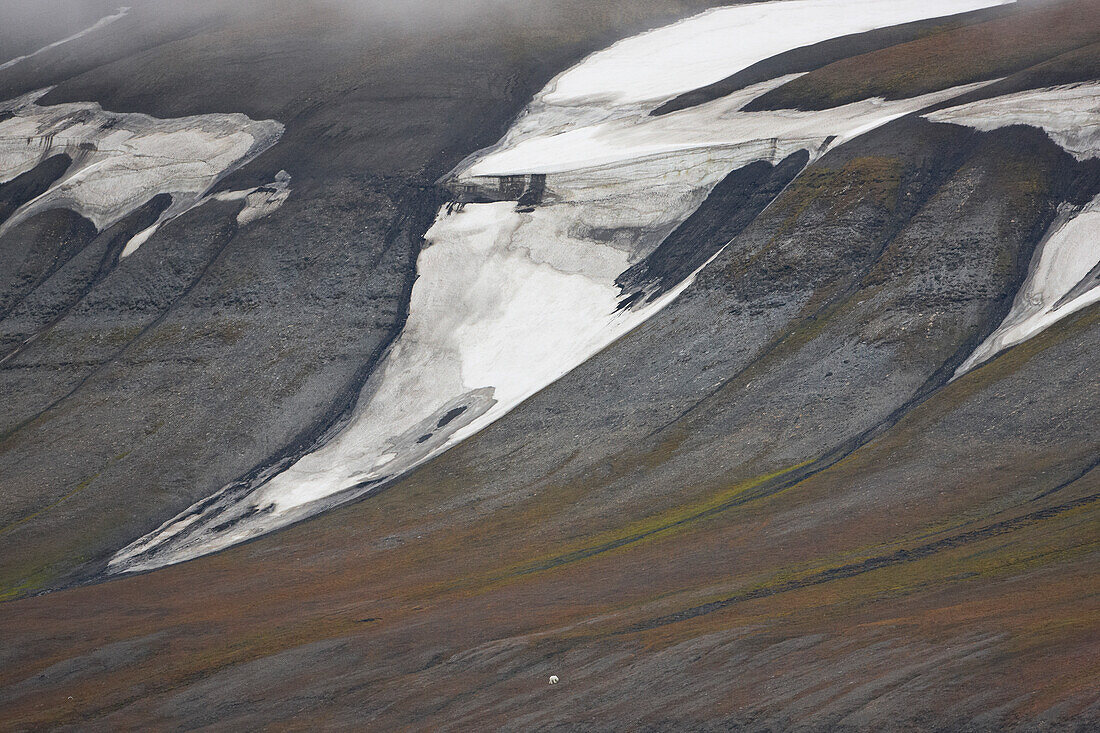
point(861, 594)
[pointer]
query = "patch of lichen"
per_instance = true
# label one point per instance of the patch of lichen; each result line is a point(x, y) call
point(25, 580)
point(1025, 181)
point(41, 568)
point(823, 588)
point(34, 565)
point(218, 332)
point(868, 180)
point(950, 57)
point(659, 525)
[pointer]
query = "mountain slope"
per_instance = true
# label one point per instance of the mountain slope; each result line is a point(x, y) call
point(788, 499)
point(251, 348)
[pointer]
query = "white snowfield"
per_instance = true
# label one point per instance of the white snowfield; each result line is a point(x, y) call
point(695, 52)
point(121, 160)
point(101, 23)
point(1063, 277)
point(717, 129)
point(507, 300)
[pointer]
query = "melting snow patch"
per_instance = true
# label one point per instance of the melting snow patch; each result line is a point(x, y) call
point(261, 200)
point(121, 160)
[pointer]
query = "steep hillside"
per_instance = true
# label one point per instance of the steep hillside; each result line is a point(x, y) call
point(217, 349)
point(762, 397)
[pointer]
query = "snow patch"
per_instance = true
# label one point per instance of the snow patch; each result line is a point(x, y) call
point(717, 130)
point(708, 47)
point(121, 160)
point(1064, 264)
point(261, 200)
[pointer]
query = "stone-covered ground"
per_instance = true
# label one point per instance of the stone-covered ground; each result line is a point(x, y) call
point(767, 508)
